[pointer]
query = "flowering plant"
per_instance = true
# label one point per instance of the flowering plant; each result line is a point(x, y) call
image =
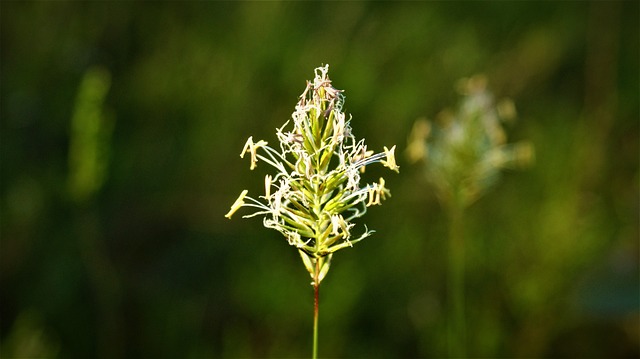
point(317, 190)
point(464, 154)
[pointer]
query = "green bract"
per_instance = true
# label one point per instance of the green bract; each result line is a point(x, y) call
point(316, 191)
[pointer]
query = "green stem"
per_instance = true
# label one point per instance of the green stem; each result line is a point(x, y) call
point(316, 290)
point(457, 326)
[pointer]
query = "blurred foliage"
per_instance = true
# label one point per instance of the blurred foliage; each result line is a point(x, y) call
point(147, 265)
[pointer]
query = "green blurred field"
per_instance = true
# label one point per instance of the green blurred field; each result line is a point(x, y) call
point(113, 239)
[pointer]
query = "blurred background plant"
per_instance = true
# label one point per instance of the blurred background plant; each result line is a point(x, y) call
point(462, 156)
point(147, 266)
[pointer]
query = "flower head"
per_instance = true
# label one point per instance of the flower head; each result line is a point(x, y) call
point(465, 151)
point(316, 191)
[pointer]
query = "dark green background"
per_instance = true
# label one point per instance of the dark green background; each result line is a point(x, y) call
point(148, 266)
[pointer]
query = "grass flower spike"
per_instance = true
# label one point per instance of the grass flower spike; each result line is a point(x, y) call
point(317, 190)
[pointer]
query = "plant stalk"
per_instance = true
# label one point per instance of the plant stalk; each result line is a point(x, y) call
point(457, 325)
point(316, 303)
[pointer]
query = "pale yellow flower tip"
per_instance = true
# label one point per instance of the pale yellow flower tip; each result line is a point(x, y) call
point(237, 204)
point(390, 160)
point(267, 187)
point(247, 146)
point(384, 191)
point(252, 148)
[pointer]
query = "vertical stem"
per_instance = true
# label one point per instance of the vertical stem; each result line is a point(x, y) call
point(457, 326)
point(316, 303)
